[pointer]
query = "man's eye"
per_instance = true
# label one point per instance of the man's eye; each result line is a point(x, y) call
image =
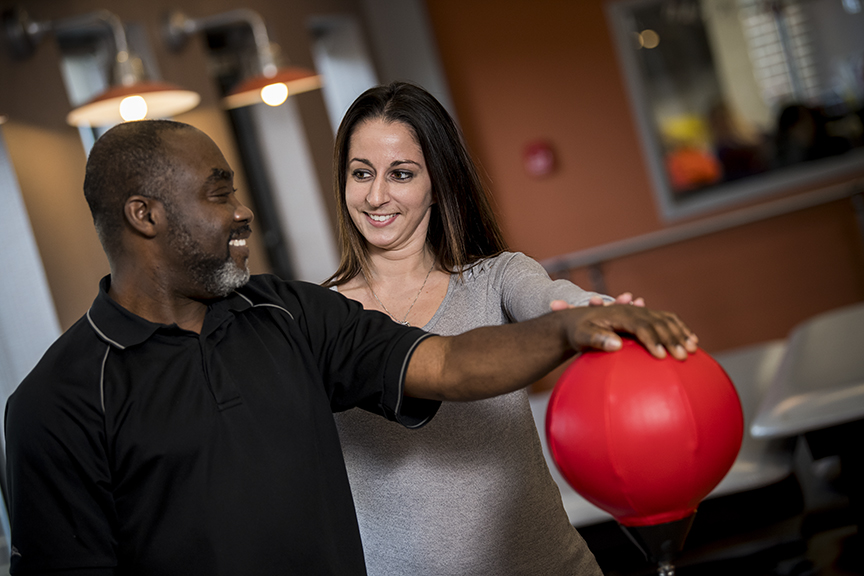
point(224, 193)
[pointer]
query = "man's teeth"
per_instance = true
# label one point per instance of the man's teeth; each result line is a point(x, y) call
point(381, 217)
point(237, 242)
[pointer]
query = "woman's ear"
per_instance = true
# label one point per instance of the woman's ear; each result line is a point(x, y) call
point(144, 214)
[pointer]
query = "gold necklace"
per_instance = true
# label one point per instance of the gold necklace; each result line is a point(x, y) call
point(404, 320)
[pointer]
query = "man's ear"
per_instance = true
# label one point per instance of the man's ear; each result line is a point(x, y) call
point(145, 215)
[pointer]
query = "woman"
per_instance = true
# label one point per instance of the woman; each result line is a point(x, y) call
point(470, 493)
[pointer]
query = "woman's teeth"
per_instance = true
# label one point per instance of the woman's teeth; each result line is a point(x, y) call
point(382, 217)
point(237, 242)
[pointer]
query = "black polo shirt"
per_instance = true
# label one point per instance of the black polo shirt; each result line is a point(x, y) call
point(142, 448)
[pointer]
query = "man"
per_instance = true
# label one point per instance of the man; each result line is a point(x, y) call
point(184, 424)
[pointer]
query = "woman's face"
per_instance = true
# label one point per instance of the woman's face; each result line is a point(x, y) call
point(388, 191)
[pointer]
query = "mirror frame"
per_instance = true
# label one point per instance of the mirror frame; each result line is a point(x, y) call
point(726, 195)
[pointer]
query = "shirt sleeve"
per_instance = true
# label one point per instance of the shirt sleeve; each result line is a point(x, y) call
point(60, 503)
point(362, 355)
point(527, 290)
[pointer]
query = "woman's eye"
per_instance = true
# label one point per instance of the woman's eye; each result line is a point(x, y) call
point(402, 174)
point(360, 174)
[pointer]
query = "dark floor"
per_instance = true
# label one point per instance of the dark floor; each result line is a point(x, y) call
point(802, 525)
point(773, 531)
point(828, 553)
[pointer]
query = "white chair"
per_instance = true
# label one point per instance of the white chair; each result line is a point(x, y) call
point(818, 394)
point(820, 382)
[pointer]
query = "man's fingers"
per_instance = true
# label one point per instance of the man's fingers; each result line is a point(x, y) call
point(660, 332)
point(647, 334)
point(606, 340)
point(673, 335)
point(682, 335)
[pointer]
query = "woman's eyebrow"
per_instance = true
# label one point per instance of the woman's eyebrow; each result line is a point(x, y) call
point(393, 163)
point(397, 162)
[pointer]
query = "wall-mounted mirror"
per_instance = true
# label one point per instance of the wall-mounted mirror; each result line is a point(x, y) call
point(741, 99)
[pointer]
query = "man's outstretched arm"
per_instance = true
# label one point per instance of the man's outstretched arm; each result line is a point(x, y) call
point(494, 360)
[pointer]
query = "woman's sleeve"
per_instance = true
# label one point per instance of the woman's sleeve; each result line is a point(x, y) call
point(527, 290)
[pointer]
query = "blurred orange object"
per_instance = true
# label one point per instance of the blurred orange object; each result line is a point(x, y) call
point(690, 167)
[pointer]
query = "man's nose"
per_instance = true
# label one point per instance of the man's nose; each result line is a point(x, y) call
point(243, 214)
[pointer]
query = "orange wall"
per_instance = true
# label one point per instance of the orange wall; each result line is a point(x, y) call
point(519, 71)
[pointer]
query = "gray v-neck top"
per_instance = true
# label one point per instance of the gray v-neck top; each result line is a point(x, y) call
point(469, 493)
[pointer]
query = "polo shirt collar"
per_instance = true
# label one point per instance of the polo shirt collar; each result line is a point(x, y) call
point(121, 328)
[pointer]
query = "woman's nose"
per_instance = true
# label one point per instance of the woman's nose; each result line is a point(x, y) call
point(378, 194)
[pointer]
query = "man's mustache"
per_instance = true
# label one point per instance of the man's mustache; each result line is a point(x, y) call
point(242, 230)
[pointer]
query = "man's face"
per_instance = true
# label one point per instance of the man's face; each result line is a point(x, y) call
point(207, 224)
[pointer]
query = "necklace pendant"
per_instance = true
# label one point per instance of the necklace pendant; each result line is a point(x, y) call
point(405, 323)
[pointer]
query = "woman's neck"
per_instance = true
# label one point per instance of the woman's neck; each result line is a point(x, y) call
point(399, 266)
point(406, 285)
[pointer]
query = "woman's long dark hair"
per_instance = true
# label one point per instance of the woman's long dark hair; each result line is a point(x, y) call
point(462, 225)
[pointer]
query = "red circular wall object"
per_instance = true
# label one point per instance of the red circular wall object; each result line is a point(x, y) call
point(642, 438)
point(539, 158)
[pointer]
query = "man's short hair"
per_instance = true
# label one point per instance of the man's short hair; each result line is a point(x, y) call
point(127, 160)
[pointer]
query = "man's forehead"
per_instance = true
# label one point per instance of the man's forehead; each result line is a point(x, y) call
point(185, 137)
point(197, 150)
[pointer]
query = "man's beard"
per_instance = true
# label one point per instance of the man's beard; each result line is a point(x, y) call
point(217, 276)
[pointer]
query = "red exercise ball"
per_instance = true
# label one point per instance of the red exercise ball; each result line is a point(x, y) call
point(642, 438)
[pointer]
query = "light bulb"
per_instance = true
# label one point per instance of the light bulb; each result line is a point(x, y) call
point(650, 39)
point(133, 108)
point(274, 94)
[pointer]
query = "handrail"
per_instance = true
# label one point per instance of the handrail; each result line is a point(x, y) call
point(702, 227)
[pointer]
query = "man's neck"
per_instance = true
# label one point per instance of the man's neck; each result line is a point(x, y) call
point(157, 303)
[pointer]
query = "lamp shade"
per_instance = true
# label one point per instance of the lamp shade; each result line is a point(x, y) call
point(296, 79)
point(162, 100)
point(642, 438)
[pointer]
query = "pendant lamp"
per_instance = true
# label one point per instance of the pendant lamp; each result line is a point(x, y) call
point(272, 84)
point(130, 98)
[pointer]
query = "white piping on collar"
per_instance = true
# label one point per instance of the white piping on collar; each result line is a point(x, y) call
point(265, 304)
point(102, 334)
